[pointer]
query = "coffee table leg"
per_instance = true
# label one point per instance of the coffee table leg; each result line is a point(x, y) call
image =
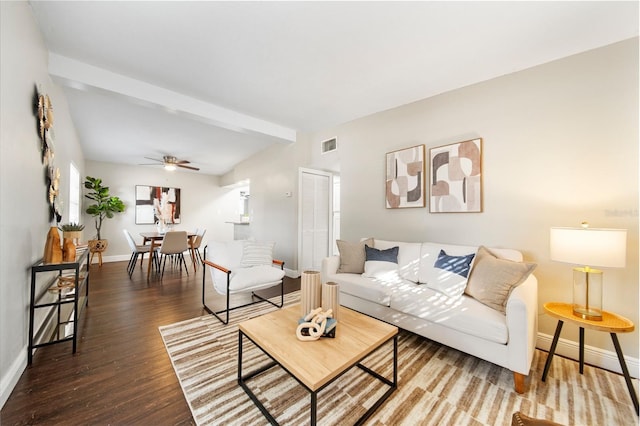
point(625, 371)
point(552, 350)
point(314, 408)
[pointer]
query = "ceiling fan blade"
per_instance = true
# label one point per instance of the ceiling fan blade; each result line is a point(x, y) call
point(187, 167)
point(182, 162)
point(154, 159)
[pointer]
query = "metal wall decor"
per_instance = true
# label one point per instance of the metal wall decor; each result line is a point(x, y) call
point(44, 110)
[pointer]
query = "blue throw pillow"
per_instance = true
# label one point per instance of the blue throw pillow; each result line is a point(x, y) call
point(388, 255)
point(460, 265)
point(381, 263)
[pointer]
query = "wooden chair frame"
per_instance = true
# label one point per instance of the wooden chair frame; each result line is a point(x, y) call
point(206, 263)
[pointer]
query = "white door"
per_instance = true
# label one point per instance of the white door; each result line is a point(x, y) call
point(314, 218)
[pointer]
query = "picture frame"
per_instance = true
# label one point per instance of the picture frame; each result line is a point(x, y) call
point(456, 177)
point(152, 201)
point(405, 178)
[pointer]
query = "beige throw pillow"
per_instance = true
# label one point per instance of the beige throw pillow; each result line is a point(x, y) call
point(492, 279)
point(352, 256)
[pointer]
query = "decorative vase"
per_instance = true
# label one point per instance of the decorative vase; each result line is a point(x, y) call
point(331, 298)
point(310, 292)
point(52, 248)
point(68, 250)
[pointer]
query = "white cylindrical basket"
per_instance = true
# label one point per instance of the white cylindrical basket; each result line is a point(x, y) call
point(310, 292)
point(331, 298)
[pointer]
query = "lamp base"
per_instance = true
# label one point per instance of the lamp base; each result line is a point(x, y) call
point(588, 314)
point(587, 293)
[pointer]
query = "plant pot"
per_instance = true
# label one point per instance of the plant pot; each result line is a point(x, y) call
point(74, 235)
point(97, 246)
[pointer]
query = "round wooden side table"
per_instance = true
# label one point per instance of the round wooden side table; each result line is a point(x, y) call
point(610, 323)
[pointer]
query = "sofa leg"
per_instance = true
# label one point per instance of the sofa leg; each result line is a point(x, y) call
point(518, 381)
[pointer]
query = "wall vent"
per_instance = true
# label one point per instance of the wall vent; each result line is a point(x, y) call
point(329, 145)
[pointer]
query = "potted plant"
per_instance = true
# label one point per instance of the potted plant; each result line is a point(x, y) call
point(105, 207)
point(70, 235)
point(71, 230)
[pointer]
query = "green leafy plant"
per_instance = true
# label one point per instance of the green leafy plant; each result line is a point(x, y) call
point(70, 227)
point(106, 205)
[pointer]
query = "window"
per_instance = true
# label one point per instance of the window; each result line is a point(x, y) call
point(74, 194)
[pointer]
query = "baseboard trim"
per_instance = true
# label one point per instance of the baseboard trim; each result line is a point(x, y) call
point(598, 357)
point(10, 379)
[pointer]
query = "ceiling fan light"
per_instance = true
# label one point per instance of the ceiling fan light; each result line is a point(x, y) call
point(169, 167)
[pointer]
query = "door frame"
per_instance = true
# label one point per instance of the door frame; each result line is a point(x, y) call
point(301, 172)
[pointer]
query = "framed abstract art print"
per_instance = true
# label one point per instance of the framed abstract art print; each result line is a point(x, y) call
point(456, 177)
point(404, 183)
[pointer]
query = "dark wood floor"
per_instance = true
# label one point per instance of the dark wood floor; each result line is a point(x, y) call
point(121, 373)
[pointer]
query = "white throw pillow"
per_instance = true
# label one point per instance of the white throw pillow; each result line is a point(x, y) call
point(256, 254)
point(408, 257)
point(380, 263)
point(449, 272)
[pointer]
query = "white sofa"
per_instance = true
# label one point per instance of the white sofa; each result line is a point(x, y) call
point(416, 296)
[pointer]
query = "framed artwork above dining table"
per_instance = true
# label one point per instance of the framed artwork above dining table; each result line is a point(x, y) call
point(157, 203)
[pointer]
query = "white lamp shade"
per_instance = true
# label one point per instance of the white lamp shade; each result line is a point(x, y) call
point(589, 246)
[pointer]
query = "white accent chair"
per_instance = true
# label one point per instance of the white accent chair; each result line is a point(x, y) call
point(241, 266)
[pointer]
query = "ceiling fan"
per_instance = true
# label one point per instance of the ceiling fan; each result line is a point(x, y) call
point(170, 163)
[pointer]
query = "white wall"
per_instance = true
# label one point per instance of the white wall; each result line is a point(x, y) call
point(274, 173)
point(204, 204)
point(560, 147)
point(24, 210)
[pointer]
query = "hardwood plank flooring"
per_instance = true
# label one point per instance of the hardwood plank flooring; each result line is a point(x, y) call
point(121, 373)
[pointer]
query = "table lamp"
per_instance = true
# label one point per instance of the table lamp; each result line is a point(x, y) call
point(589, 247)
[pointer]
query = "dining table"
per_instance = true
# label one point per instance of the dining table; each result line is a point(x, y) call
point(155, 238)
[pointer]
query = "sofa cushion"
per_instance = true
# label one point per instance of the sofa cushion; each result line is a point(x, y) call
point(251, 278)
point(380, 263)
point(437, 271)
point(352, 256)
point(492, 279)
point(408, 257)
point(461, 313)
point(376, 290)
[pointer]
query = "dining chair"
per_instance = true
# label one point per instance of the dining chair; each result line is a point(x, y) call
point(136, 250)
point(174, 243)
point(195, 247)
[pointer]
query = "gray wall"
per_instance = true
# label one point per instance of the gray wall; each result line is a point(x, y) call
point(23, 207)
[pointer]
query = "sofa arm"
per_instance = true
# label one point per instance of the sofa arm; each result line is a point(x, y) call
point(522, 324)
point(329, 267)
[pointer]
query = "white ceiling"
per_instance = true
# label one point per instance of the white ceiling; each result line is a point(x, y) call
point(216, 82)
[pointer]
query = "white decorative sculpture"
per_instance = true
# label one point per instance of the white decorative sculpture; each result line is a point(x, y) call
point(316, 324)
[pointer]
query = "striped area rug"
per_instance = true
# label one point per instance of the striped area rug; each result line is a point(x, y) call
point(437, 385)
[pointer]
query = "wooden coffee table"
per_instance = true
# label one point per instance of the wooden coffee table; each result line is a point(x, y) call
point(316, 364)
